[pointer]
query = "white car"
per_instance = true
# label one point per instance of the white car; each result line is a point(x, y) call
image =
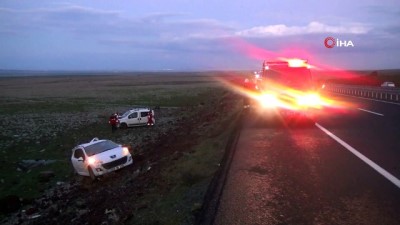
point(99, 157)
point(388, 84)
point(135, 117)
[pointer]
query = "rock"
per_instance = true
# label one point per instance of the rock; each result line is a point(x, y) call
point(45, 176)
point(34, 216)
point(112, 215)
point(108, 211)
point(31, 211)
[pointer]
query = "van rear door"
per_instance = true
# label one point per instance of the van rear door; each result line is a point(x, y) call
point(143, 117)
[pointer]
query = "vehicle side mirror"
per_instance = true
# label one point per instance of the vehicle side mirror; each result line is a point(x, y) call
point(80, 159)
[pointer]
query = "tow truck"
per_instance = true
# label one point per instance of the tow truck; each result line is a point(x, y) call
point(287, 87)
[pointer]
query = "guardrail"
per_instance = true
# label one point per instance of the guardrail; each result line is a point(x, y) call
point(381, 93)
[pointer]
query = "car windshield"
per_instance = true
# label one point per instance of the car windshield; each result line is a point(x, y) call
point(126, 114)
point(100, 147)
point(290, 76)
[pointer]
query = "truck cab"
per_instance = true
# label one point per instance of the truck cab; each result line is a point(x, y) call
point(287, 87)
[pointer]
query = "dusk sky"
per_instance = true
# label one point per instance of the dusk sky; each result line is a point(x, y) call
point(123, 35)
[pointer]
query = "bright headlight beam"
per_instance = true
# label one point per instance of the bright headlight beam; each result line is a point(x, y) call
point(91, 161)
point(309, 100)
point(125, 150)
point(268, 100)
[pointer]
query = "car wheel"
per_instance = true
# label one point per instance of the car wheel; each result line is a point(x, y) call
point(123, 126)
point(91, 173)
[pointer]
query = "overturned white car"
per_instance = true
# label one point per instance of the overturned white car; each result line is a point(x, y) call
point(99, 157)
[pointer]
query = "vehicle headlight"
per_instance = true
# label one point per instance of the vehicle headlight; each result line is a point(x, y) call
point(268, 100)
point(93, 161)
point(312, 99)
point(125, 151)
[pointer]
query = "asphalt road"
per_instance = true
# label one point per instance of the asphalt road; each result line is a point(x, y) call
point(300, 175)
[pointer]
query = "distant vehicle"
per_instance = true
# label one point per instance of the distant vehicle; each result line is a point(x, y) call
point(135, 117)
point(388, 84)
point(99, 157)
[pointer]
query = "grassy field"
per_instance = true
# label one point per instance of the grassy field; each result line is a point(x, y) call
point(45, 117)
point(32, 106)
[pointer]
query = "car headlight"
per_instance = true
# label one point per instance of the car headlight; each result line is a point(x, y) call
point(125, 151)
point(93, 161)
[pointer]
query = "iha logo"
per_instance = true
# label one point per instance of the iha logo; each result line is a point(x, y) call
point(331, 42)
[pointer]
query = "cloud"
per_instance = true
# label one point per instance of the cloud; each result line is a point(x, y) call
point(66, 18)
point(98, 24)
point(311, 28)
point(77, 32)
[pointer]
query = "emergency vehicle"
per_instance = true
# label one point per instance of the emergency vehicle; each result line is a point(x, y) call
point(288, 88)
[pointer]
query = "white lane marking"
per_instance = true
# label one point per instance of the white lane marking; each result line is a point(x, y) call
point(375, 166)
point(376, 100)
point(379, 114)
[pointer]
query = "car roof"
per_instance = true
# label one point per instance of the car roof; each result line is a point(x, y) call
point(93, 141)
point(139, 109)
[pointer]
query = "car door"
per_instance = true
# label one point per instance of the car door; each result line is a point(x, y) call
point(143, 117)
point(133, 119)
point(78, 161)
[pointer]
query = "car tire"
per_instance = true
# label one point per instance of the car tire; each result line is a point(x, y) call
point(91, 174)
point(123, 126)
